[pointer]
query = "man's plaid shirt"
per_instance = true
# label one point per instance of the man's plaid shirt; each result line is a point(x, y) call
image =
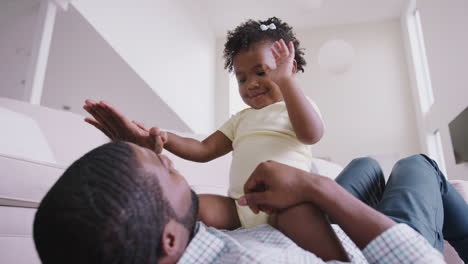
point(264, 244)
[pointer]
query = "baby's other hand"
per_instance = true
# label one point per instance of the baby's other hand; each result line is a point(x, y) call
point(284, 58)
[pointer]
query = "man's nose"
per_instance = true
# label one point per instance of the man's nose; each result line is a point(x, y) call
point(166, 160)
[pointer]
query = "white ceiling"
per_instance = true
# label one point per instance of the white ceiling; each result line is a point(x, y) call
point(226, 14)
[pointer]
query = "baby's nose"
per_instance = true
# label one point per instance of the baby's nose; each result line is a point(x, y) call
point(253, 85)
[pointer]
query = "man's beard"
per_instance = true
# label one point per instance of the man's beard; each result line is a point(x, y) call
point(189, 219)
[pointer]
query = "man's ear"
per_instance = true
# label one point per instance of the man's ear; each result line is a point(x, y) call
point(174, 239)
point(294, 69)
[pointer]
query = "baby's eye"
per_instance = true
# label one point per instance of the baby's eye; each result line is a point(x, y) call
point(261, 73)
point(241, 80)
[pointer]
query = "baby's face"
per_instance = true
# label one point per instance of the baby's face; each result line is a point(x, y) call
point(252, 68)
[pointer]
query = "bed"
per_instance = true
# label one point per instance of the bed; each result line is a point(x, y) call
point(37, 144)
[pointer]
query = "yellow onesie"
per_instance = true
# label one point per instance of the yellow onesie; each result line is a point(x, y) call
point(259, 135)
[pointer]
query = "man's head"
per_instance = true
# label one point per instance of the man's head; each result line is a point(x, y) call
point(119, 203)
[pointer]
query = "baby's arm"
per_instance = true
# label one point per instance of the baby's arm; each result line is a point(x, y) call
point(214, 146)
point(305, 121)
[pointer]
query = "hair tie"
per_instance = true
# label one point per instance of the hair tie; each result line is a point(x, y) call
point(265, 27)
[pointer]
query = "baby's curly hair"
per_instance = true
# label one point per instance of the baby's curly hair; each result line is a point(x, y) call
point(249, 33)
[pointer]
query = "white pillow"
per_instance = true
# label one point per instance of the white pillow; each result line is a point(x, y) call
point(325, 168)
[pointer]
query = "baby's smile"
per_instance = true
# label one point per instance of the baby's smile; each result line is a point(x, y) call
point(257, 93)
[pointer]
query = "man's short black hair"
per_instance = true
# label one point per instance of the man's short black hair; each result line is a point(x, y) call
point(105, 208)
point(249, 33)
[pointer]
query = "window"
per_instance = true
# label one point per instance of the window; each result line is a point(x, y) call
point(421, 68)
point(435, 150)
point(235, 101)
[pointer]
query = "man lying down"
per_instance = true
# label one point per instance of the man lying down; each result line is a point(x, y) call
point(121, 203)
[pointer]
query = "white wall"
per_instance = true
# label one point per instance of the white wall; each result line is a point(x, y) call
point(446, 40)
point(169, 45)
point(16, 35)
point(367, 110)
point(83, 65)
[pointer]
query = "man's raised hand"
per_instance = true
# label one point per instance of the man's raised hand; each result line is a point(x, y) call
point(115, 125)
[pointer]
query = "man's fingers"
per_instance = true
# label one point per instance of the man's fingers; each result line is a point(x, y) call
point(252, 182)
point(116, 121)
point(267, 209)
point(110, 114)
point(89, 102)
point(112, 111)
point(140, 125)
point(103, 122)
point(86, 107)
point(97, 125)
point(106, 119)
point(255, 199)
point(91, 121)
point(259, 201)
point(254, 209)
point(255, 180)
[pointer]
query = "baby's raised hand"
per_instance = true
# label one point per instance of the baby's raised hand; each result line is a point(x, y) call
point(284, 58)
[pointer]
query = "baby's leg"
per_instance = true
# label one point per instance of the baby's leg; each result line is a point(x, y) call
point(218, 211)
point(306, 225)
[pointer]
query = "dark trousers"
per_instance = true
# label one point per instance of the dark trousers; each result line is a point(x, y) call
point(416, 194)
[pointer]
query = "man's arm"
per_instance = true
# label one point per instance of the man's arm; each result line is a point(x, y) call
point(359, 221)
point(276, 186)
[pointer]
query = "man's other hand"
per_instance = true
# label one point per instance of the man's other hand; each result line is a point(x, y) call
point(274, 186)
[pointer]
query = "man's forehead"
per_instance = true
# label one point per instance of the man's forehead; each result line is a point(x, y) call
point(144, 155)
